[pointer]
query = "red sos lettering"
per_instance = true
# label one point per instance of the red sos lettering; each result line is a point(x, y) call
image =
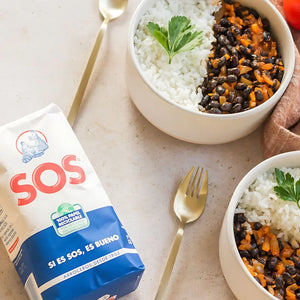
point(38, 184)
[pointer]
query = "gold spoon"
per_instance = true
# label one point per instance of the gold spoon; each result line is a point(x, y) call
point(110, 10)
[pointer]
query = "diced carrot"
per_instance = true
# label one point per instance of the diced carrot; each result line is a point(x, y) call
point(246, 81)
point(267, 66)
point(270, 92)
point(222, 99)
point(267, 79)
point(255, 28)
point(262, 279)
point(274, 244)
point(244, 69)
point(250, 268)
point(287, 251)
point(265, 229)
point(290, 291)
point(258, 76)
point(298, 252)
point(280, 267)
point(266, 244)
point(245, 42)
point(227, 56)
point(252, 97)
point(252, 104)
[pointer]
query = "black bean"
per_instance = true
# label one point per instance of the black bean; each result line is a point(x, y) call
point(297, 278)
point(254, 252)
point(221, 79)
point(243, 234)
point(235, 30)
point(287, 278)
point(222, 61)
point(267, 36)
point(205, 100)
point(233, 71)
point(230, 37)
point(231, 96)
point(269, 60)
point(254, 64)
point(272, 262)
point(234, 51)
point(222, 39)
point(238, 100)
point(237, 108)
point(215, 97)
point(258, 95)
point(220, 89)
point(224, 22)
point(226, 106)
point(254, 12)
point(246, 92)
point(223, 51)
point(266, 24)
point(240, 86)
point(214, 110)
point(234, 61)
point(246, 62)
point(214, 104)
point(240, 217)
point(257, 225)
point(231, 78)
point(290, 269)
point(212, 84)
point(281, 246)
point(279, 75)
point(296, 261)
point(279, 282)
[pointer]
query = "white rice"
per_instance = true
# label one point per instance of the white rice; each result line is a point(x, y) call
point(176, 81)
point(260, 203)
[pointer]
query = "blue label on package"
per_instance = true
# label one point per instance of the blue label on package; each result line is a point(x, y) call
point(65, 268)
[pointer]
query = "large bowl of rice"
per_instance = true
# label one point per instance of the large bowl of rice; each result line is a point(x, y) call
point(166, 93)
point(255, 196)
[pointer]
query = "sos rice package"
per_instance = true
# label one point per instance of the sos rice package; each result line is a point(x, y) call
point(56, 221)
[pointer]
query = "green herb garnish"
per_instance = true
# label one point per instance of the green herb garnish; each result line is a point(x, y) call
point(287, 189)
point(179, 36)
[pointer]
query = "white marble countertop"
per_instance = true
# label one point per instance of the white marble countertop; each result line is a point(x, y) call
point(44, 48)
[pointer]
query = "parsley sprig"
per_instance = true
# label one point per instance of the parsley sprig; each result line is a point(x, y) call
point(287, 189)
point(179, 37)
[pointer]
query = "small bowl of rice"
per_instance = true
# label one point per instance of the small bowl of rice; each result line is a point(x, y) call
point(259, 245)
point(168, 94)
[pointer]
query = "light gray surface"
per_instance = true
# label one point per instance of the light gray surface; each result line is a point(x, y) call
point(44, 48)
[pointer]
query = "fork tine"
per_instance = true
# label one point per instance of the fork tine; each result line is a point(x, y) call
point(186, 180)
point(198, 183)
point(190, 190)
point(204, 187)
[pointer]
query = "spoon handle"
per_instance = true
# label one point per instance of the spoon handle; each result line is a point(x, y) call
point(87, 73)
point(170, 264)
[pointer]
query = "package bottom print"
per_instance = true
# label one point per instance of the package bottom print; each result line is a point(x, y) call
point(80, 262)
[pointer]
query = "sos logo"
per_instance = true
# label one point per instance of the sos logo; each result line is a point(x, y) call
point(18, 185)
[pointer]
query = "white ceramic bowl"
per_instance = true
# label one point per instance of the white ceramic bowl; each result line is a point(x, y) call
point(241, 282)
point(198, 127)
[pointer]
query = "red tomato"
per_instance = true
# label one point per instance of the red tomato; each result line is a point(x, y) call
point(292, 12)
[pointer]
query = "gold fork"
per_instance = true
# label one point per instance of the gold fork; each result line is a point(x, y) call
point(189, 204)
